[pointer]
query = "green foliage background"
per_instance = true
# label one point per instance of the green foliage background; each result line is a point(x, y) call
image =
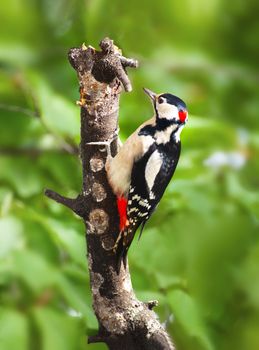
point(199, 255)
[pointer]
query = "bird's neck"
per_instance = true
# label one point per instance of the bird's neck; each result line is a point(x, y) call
point(163, 131)
point(163, 123)
point(167, 131)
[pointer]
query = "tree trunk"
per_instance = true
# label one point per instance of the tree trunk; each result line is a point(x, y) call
point(124, 321)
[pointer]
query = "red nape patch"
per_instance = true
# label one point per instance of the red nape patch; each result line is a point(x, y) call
point(182, 116)
point(122, 209)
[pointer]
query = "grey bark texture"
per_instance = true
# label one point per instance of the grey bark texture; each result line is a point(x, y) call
point(125, 323)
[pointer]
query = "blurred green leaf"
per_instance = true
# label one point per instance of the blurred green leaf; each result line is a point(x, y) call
point(36, 272)
point(17, 54)
point(71, 241)
point(58, 114)
point(11, 236)
point(23, 176)
point(77, 302)
point(18, 129)
point(168, 281)
point(68, 238)
point(58, 331)
point(64, 169)
point(6, 200)
point(14, 330)
point(187, 314)
point(146, 296)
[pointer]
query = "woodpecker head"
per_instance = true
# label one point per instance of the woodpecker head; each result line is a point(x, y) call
point(169, 107)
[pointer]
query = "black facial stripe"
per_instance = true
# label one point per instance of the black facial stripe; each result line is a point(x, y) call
point(147, 130)
point(162, 124)
point(155, 109)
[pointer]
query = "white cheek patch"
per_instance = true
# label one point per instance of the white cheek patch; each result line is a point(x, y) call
point(167, 111)
point(152, 169)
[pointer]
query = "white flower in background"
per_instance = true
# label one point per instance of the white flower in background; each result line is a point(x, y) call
point(242, 137)
point(218, 159)
point(74, 313)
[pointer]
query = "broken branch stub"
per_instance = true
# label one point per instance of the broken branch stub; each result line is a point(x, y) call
point(104, 65)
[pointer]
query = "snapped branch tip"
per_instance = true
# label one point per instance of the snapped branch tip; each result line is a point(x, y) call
point(151, 304)
point(68, 202)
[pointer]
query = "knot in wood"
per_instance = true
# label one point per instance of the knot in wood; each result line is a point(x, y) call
point(98, 192)
point(99, 221)
point(96, 164)
point(108, 242)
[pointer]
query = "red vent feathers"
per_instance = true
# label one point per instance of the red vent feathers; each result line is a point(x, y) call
point(122, 209)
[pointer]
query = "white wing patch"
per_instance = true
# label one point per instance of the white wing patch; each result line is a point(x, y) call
point(152, 169)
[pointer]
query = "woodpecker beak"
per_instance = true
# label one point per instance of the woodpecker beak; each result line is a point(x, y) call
point(150, 93)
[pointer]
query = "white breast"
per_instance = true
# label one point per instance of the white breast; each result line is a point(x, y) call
point(119, 168)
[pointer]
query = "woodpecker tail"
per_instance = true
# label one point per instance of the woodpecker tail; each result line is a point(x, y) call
point(121, 247)
point(121, 253)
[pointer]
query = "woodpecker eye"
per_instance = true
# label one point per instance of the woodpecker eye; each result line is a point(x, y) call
point(160, 100)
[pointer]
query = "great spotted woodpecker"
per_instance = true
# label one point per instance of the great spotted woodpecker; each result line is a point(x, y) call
point(143, 167)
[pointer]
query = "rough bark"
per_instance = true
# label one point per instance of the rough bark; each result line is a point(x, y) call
point(124, 321)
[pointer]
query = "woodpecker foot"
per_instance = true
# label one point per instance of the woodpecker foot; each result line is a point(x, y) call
point(114, 248)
